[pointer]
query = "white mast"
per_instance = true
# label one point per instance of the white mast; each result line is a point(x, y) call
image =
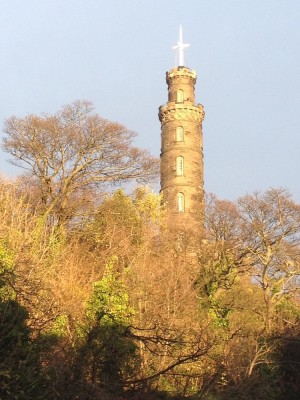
point(180, 46)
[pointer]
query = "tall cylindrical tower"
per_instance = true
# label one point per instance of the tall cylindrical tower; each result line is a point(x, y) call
point(181, 170)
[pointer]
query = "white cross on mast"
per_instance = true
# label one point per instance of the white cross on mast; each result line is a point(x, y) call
point(180, 46)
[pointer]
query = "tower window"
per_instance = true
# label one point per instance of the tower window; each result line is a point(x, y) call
point(179, 96)
point(179, 134)
point(179, 165)
point(180, 202)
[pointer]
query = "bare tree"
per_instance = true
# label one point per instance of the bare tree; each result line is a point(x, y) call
point(271, 236)
point(73, 151)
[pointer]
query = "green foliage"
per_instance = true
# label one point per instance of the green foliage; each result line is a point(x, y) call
point(110, 301)
point(6, 273)
point(6, 259)
point(46, 240)
point(288, 309)
point(108, 354)
point(217, 278)
point(122, 223)
point(58, 328)
point(20, 375)
point(148, 205)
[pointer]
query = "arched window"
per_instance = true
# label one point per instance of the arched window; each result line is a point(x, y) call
point(179, 96)
point(179, 134)
point(179, 165)
point(180, 202)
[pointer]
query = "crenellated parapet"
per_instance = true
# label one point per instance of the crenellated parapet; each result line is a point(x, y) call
point(181, 112)
point(181, 73)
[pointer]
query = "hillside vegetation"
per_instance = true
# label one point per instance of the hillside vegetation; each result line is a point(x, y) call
point(101, 298)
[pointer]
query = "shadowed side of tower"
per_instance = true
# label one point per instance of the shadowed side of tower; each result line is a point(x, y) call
point(181, 168)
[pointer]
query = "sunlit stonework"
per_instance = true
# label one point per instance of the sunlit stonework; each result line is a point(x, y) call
point(182, 146)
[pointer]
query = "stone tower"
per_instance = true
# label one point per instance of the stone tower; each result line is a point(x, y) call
point(181, 171)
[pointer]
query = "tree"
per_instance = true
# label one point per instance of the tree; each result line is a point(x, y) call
point(20, 376)
point(108, 355)
point(248, 279)
point(271, 236)
point(72, 152)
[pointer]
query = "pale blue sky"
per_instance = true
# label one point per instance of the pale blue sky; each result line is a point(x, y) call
point(115, 53)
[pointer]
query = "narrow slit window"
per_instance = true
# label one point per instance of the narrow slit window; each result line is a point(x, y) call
point(180, 96)
point(179, 165)
point(179, 134)
point(180, 202)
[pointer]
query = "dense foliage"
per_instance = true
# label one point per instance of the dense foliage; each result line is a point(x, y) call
point(110, 303)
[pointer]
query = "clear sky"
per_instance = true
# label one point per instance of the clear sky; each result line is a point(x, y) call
point(115, 53)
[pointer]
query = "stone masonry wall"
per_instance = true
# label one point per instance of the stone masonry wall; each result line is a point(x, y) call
point(181, 111)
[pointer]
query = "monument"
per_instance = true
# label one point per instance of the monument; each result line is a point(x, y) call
point(181, 170)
